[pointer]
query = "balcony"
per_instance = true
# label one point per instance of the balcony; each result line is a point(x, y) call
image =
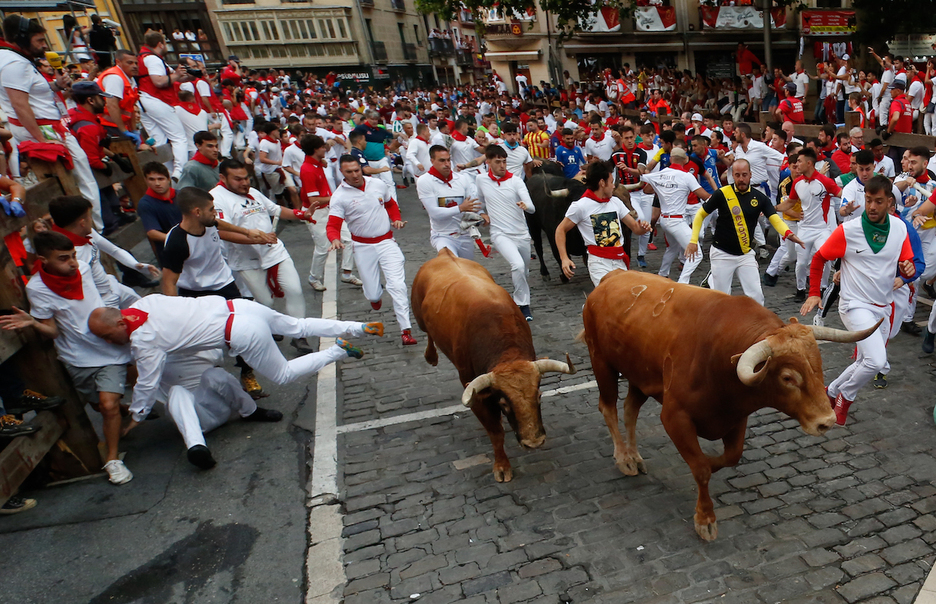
point(464, 57)
point(409, 52)
point(399, 5)
point(367, 3)
point(440, 47)
point(380, 52)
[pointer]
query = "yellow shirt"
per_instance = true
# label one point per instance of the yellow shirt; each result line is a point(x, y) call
point(532, 142)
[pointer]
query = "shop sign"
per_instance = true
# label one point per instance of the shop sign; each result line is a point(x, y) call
point(828, 22)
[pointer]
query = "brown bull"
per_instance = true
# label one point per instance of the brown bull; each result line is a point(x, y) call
point(710, 359)
point(476, 324)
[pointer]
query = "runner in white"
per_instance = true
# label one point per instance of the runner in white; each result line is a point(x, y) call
point(370, 209)
point(600, 218)
point(417, 151)
point(673, 187)
point(504, 200)
point(872, 250)
point(446, 195)
point(761, 157)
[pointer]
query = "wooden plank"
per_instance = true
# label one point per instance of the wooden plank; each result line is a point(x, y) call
point(134, 184)
point(36, 205)
point(21, 456)
point(12, 294)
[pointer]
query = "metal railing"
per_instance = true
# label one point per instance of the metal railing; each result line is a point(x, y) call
point(398, 5)
point(380, 52)
point(440, 47)
point(409, 52)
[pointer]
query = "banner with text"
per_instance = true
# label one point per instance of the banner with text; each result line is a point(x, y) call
point(828, 22)
point(740, 17)
point(655, 18)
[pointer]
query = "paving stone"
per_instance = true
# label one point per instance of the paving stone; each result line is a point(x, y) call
point(863, 564)
point(486, 583)
point(866, 586)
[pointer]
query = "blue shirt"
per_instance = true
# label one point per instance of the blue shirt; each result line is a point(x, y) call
point(918, 260)
point(709, 164)
point(570, 159)
point(359, 155)
point(375, 138)
point(158, 215)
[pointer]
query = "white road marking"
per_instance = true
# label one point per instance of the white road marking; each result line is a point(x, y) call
point(470, 462)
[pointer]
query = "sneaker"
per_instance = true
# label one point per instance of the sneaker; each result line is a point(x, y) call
point(317, 285)
point(880, 381)
point(705, 281)
point(841, 409)
point(277, 337)
point(302, 345)
point(909, 327)
point(373, 329)
point(10, 427)
point(264, 415)
point(249, 382)
point(353, 351)
point(928, 341)
point(830, 397)
point(401, 186)
point(118, 472)
point(349, 278)
point(818, 320)
point(641, 262)
point(199, 456)
point(376, 305)
point(33, 401)
point(652, 247)
point(800, 295)
point(763, 253)
point(770, 280)
point(17, 504)
point(526, 313)
point(929, 289)
point(408, 339)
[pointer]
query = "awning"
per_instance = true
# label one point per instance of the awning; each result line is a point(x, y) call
point(513, 55)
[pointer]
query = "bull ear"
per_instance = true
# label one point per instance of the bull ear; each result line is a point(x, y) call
point(734, 359)
point(793, 320)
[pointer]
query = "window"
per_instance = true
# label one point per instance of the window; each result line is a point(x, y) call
point(342, 29)
point(416, 33)
point(302, 29)
point(324, 29)
point(400, 27)
point(331, 28)
point(311, 25)
point(253, 30)
point(273, 30)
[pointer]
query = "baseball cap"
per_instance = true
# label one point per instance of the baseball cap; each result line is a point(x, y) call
point(845, 57)
point(233, 58)
point(696, 117)
point(678, 153)
point(86, 89)
point(790, 87)
point(899, 84)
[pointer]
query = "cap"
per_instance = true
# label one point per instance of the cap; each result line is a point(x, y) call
point(845, 57)
point(899, 84)
point(678, 153)
point(790, 87)
point(233, 58)
point(696, 117)
point(86, 89)
point(274, 90)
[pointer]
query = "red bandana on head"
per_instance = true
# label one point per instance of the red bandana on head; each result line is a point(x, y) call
point(69, 288)
point(435, 173)
point(77, 240)
point(591, 195)
point(133, 318)
point(204, 160)
point(507, 175)
point(168, 197)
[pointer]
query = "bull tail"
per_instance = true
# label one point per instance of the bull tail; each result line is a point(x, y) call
point(581, 337)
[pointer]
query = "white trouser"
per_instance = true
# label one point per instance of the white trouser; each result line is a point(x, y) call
point(872, 351)
point(126, 295)
point(724, 267)
point(928, 243)
point(645, 204)
point(409, 170)
point(463, 246)
point(884, 109)
point(288, 281)
point(387, 257)
point(84, 177)
point(217, 398)
point(785, 254)
point(678, 233)
point(599, 267)
point(903, 295)
point(252, 333)
point(227, 134)
point(163, 124)
point(812, 238)
point(320, 240)
point(387, 176)
point(929, 123)
point(516, 251)
point(274, 183)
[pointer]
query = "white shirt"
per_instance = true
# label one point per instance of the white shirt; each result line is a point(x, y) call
point(198, 258)
point(76, 345)
point(274, 152)
point(437, 139)
point(867, 276)
point(516, 159)
point(601, 224)
point(417, 154)
point(854, 191)
point(441, 201)
point(293, 157)
point(499, 202)
point(464, 152)
point(193, 124)
point(364, 210)
point(802, 83)
point(155, 67)
point(601, 149)
point(90, 254)
point(758, 155)
point(673, 188)
point(174, 324)
point(114, 85)
point(18, 73)
point(915, 93)
point(885, 166)
point(813, 194)
point(249, 213)
point(756, 91)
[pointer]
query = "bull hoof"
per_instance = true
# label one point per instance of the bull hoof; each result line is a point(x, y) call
point(708, 531)
point(632, 465)
point(563, 278)
point(503, 474)
point(545, 276)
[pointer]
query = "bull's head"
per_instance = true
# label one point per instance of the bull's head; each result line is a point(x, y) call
point(790, 371)
point(515, 385)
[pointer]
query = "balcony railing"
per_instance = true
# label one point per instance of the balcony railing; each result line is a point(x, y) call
point(441, 47)
point(409, 52)
point(380, 52)
point(398, 5)
point(464, 57)
point(367, 3)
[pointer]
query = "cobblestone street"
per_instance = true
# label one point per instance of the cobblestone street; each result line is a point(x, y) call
point(844, 518)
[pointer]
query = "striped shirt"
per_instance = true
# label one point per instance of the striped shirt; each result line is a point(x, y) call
point(533, 140)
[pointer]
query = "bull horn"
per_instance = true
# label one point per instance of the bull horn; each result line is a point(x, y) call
point(547, 365)
point(476, 385)
point(840, 335)
point(633, 187)
point(558, 193)
point(758, 353)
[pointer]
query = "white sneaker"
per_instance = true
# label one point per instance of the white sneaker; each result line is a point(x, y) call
point(316, 284)
point(818, 321)
point(351, 279)
point(118, 472)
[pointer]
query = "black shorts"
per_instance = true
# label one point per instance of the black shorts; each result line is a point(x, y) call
point(228, 292)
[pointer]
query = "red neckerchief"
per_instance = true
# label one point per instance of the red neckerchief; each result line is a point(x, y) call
point(168, 197)
point(77, 240)
point(269, 138)
point(423, 140)
point(923, 179)
point(191, 107)
point(311, 160)
point(224, 186)
point(507, 175)
point(204, 160)
point(16, 49)
point(591, 195)
point(459, 136)
point(447, 181)
point(570, 147)
point(69, 288)
point(133, 318)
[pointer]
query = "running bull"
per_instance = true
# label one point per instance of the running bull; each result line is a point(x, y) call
point(552, 194)
point(476, 324)
point(711, 360)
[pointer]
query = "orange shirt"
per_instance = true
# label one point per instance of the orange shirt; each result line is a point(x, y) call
point(532, 140)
